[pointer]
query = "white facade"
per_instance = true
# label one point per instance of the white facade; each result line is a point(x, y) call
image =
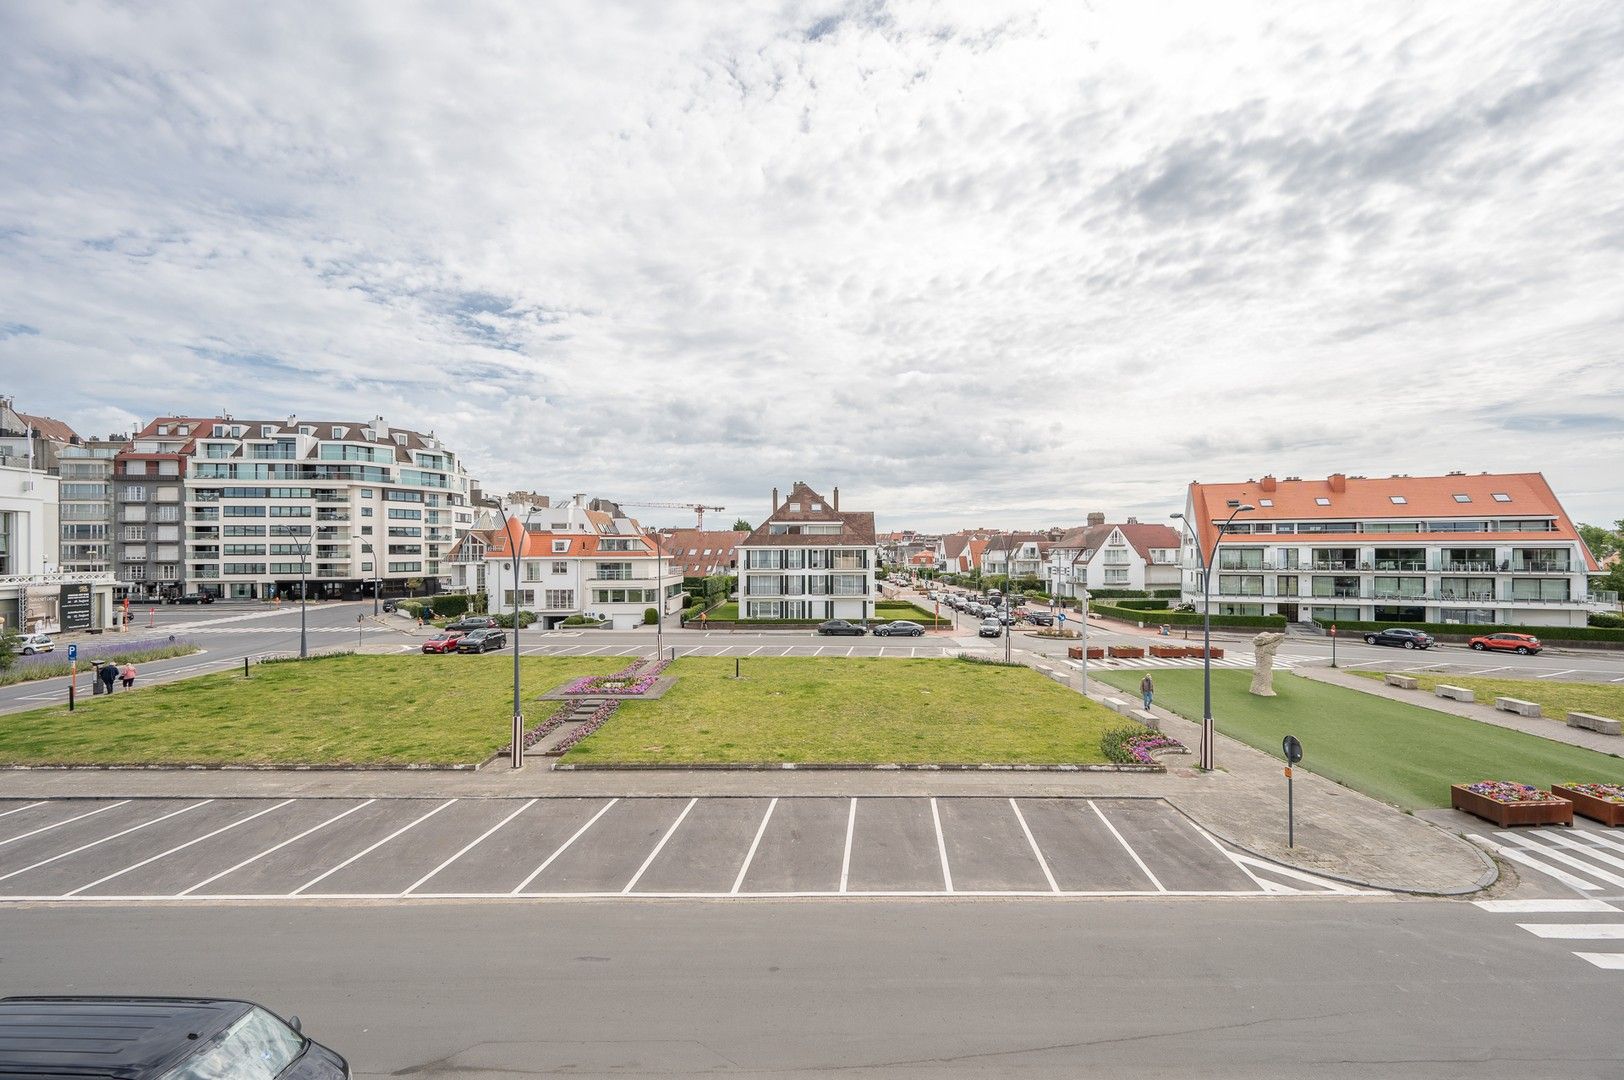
point(809, 560)
point(30, 576)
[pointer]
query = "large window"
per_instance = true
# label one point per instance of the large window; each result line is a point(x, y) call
point(1546, 589)
point(613, 571)
point(560, 599)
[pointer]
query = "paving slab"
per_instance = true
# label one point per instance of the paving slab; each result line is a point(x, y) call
point(1181, 858)
point(1081, 852)
point(986, 848)
point(501, 861)
point(399, 863)
point(297, 861)
point(79, 823)
point(610, 853)
point(801, 850)
point(69, 874)
point(894, 848)
point(706, 853)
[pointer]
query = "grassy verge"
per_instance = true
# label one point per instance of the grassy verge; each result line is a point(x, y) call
point(340, 710)
point(54, 664)
point(893, 610)
point(1555, 699)
point(870, 711)
point(1397, 752)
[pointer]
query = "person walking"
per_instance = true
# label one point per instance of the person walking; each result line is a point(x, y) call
point(108, 673)
point(127, 675)
point(1147, 689)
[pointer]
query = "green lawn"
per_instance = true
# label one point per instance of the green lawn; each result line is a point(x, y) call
point(1554, 698)
point(1401, 753)
point(727, 612)
point(858, 710)
point(892, 610)
point(406, 709)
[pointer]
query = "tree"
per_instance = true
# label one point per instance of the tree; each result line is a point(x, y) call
point(742, 525)
point(9, 643)
point(1602, 542)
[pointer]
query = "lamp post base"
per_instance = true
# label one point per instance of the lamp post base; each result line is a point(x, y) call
point(1208, 737)
point(518, 740)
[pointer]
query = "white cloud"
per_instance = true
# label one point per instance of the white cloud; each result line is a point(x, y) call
point(967, 261)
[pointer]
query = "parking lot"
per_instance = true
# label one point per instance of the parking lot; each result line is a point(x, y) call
point(202, 850)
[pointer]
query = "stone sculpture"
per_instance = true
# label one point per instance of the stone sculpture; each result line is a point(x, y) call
point(1264, 646)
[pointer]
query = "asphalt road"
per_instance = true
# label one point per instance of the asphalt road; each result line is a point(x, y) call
point(1260, 988)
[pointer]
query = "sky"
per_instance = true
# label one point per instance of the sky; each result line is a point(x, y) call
point(976, 264)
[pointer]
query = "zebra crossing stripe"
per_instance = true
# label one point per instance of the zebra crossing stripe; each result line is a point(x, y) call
point(1576, 931)
point(1522, 858)
point(1611, 961)
point(1562, 857)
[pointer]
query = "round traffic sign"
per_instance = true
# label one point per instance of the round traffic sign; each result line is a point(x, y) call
point(1292, 749)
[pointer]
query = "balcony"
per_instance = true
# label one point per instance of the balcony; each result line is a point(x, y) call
point(1457, 566)
point(1401, 566)
point(333, 515)
point(1335, 564)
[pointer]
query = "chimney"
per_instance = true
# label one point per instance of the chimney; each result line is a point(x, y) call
point(837, 499)
point(1096, 518)
point(774, 510)
point(1133, 521)
point(1268, 483)
point(1338, 482)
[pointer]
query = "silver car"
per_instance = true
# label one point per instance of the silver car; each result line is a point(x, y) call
point(35, 643)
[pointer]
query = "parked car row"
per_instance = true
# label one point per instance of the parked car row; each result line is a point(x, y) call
point(474, 641)
point(1503, 641)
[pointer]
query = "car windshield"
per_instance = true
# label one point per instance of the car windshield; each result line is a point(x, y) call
point(257, 1047)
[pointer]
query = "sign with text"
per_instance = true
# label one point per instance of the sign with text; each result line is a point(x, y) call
point(74, 606)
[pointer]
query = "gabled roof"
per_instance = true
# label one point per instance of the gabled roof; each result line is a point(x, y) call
point(539, 544)
point(47, 427)
point(856, 526)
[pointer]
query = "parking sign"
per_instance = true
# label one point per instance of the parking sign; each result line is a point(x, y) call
point(73, 652)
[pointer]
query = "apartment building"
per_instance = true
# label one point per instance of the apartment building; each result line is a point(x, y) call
point(28, 441)
point(1018, 554)
point(86, 471)
point(1486, 548)
point(1124, 555)
point(35, 594)
point(809, 560)
point(702, 552)
point(573, 560)
point(243, 508)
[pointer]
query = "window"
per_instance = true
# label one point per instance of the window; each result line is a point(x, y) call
point(1265, 502)
point(560, 598)
point(560, 546)
point(614, 571)
point(532, 571)
point(1463, 498)
point(615, 544)
point(1397, 500)
point(561, 567)
point(1322, 501)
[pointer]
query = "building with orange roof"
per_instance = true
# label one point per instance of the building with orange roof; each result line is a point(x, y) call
point(1489, 548)
point(809, 560)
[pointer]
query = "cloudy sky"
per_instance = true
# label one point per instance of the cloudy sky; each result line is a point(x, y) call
point(974, 263)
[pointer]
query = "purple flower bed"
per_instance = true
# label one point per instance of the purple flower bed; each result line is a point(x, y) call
point(633, 680)
point(534, 735)
point(54, 663)
point(1509, 791)
point(1143, 746)
point(593, 723)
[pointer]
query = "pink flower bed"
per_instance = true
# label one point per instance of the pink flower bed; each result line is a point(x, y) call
point(1613, 793)
point(633, 680)
point(1144, 746)
point(593, 723)
point(534, 735)
point(1508, 791)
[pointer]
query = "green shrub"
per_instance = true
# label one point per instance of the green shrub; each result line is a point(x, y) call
point(651, 616)
point(1144, 605)
point(1603, 619)
point(449, 604)
point(414, 608)
point(1188, 618)
point(580, 620)
point(1115, 594)
point(505, 619)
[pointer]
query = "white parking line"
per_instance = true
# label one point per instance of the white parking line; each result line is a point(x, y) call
point(275, 848)
point(19, 809)
point(1610, 961)
point(178, 847)
point(517, 889)
point(851, 650)
point(1554, 674)
point(1485, 671)
point(470, 846)
point(845, 860)
point(941, 846)
point(1036, 851)
point(1126, 847)
point(59, 824)
point(819, 650)
point(367, 850)
point(657, 847)
point(750, 855)
point(755, 650)
point(105, 839)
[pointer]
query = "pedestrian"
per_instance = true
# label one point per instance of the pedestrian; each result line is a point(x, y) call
point(127, 675)
point(1147, 689)
point(108, 673)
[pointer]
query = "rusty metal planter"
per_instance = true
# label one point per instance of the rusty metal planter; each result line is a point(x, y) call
point(1558, 811)
point(1608, 813)
point(1127, 652)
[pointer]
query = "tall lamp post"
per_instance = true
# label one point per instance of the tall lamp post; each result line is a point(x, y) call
point(304, 590)
point(1208, 733)
point(514, 544)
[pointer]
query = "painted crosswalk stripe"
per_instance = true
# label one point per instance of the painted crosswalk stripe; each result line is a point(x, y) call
point(1577, 931)
point(1529, 907)
point(1600, 856)
point(1562, 857)
point(1522, 858)
point(1612, 961)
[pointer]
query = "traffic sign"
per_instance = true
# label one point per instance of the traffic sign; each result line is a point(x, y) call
point(73, 652)
point(1292, 749)
point(1062, 616)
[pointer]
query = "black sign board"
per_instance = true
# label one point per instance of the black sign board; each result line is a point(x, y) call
point(1292, 749)
point(75, 606)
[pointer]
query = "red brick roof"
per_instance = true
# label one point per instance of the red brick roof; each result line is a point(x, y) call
point(47, 427)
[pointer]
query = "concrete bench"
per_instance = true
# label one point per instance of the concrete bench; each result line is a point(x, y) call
point(1517, 705)
point(1147, 718)
point(1403, 682)
point(1459, 693)
point(1117, 705)
point(1595, 723)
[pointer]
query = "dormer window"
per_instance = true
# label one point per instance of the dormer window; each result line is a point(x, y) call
point(163, 429)
point(1500, 496)
point(400, 440)
point(795, 508)
point(306, 429)
point(560, 546)
point(219, 431)
point(817, 505)
point(1461, 498)
point(339, 433)
point(266, 431)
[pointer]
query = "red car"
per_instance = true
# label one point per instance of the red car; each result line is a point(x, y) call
point(1521, 644)
point(445, 642)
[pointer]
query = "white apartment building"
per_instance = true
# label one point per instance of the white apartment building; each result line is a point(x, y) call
point(809, 560)
point(35, 595)
point(1128, 555)
point(1483, 549)
point(86, 471)
point(244, 508)
point(573, 560)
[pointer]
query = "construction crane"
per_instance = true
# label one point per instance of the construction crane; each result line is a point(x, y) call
point(698, 509)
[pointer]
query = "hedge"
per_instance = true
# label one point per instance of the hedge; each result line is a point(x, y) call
point(1188, 618)
point(451, 604)
point(1544, 633)
point(1144, 605)
point(1116, 594)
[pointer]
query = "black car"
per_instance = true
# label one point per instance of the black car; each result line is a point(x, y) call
point(990, 627)
point(899, 628)
point(479, 641)
point(1040, 618)
point(1401, 637)
point(193, 598)
point(841, 626)
point(154, 1038)
point(473, 622)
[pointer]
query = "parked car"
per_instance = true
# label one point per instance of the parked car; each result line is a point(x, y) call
point(443, 642)
point(1521, 644)
point(990, 628)
point(479, 641)
point(193, 598)
point(389, 607)
point(841, 626)
point(29, 644)
point(1400, 636)
point(473, 622)
point(899, 628)
point(157, 1038)
point(1040, 618)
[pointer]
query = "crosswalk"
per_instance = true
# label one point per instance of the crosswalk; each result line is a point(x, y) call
point(1244, 660)
point(206, 629)
point(1585, 859)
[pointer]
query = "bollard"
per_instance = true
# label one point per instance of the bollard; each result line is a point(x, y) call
point(245, 667)
point(735, 667)
point(70, 697)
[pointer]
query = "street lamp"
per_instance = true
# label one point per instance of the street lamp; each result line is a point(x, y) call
point(304, 565)
point(1208, 733)
point(517, 760)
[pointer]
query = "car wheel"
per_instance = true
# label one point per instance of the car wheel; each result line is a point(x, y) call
point(1370, 639)
point(28, 652)
point(1522, 650)
point(1479, 646)
point(1409, 644)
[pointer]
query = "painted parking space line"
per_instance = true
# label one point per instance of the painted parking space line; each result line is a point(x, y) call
point(59, 824)
point(1037, 852)
point(323, 876)
point(641, 870)
point(517, 889)
point(20, 809)
point(1554, 674)
point(105, 839)
point(275, 848)
point(178, 847)
point(750, 856)
point(755, 650)
point(845, 860)
point(471, 845)
point(1127, 847)
point(941, 845)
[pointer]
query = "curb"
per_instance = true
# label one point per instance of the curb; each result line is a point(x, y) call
point(290, 767)
point(835, 766)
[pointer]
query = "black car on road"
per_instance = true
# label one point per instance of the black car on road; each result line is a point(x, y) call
point(1040, 618)
point(899, 628)
point(157, 1038)
point(473, 622)
point(478, 641)
point(1400, 637)
point(841, 626)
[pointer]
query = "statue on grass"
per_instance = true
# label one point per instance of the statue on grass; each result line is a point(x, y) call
point(1264, 646)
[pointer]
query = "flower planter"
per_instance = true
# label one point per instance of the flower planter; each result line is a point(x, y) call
point(1549, 810)
point(1167, 652)
point(1075, 652)
point(1096, 652)
point(1127, 652)
point(1607, 806)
